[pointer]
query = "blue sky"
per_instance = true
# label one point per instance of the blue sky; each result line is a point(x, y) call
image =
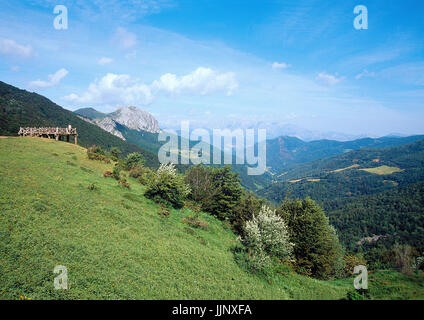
point(225, 63)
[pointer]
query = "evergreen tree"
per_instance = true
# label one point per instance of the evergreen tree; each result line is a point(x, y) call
point(316, 246)
point(225, 201)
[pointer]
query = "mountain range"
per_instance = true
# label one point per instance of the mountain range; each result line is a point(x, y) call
point(284, 152)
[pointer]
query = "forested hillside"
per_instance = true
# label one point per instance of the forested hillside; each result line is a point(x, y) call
point(395, 215)
point(356, 173)
point(365, 193)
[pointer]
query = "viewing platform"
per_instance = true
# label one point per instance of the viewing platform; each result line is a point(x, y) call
point(50, 133)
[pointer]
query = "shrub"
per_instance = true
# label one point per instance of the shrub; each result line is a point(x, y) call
point(108, 174)
point(217, 190)
point(163, 211)
point(134, 159)
point(266, 236)
point(195, 222)
point(92, 187)
point(317, 249)
point(115, 152)
point(419, 263)
point(403, 258)
point(167, 187)
point(119, 166)
point(193, 206)
point(96, 150)
point(138, 172)
point(147, 176)
point(351, 261)
point(360, 294)
point(202, 185)
point(124, 183)
point(97, 153)
point(249, 206)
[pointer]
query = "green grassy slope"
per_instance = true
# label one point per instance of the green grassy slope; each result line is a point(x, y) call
point(112, 240)
point(390, 285)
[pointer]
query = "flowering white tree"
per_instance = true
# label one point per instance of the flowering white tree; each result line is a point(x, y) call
point(267, 236)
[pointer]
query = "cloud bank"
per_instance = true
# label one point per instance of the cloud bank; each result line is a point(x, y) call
point(118, 89)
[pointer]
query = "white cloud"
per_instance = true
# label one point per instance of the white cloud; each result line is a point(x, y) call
point(115, 89)
point(364, 73)
point(11, 47)
point(54, 79)
point(278, 65)
point(125, 39)
point(201, 81)
point(328, 79)
point(104, 60)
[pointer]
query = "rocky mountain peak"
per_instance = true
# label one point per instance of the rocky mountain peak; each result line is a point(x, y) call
point(135, 119)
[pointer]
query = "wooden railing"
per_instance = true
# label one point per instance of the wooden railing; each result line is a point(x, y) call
point(57, 132)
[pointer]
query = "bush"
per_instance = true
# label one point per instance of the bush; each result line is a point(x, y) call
point(201, 182)
point(163, 211)
point(351, 261)
point(419, 263)
point(98, 157)
point(134, 159)
point(193, 206)
point(195, 222)
point(360, 294)
point(124, 183)
point(266, 236)
point(403, 258)
point(249, 206)
point(92, 187)
point(96, 150)
point(115, 152)
point(108, 174)
point(167, 187)
point(317, 249)
point(141, 173)
point(119, 166)
point(217, 190)
point(97, 153)
point(146, 177)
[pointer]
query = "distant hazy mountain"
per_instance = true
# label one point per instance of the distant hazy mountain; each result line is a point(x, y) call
point(275, 129)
